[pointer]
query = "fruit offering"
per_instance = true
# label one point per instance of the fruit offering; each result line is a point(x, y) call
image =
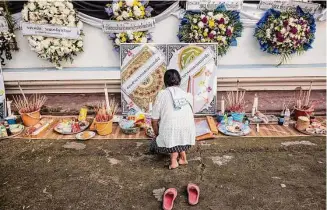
point(137, 117)
point(71, 126)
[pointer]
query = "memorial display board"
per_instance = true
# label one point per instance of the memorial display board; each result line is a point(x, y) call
point(197, 64)
point(142, 70)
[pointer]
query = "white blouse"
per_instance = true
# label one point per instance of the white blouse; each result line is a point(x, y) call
point(176, 126)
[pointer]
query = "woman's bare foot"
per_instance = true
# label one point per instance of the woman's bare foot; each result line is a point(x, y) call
point(182, 162)
point(173, 160)
point(174, 165)
point(182, 158)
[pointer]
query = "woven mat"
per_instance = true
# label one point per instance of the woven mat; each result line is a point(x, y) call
point(269, 130)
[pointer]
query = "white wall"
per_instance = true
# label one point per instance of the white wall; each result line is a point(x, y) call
point(98, 51)
point(99, 61)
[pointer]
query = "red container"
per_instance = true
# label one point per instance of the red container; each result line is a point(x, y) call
point(299, 113)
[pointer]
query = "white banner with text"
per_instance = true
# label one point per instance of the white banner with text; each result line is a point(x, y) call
point(31, 29)
point(286, 5)
point(143, 72)
point(213, 4)
point(111, 26)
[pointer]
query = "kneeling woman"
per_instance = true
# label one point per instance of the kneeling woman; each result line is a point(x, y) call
point(173, 121)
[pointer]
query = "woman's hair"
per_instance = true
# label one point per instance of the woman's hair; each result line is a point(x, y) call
point(172, 78)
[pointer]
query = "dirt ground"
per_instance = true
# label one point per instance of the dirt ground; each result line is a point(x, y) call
point(233, 173)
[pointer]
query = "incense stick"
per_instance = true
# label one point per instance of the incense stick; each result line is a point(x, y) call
point(302, 100)
point(104, 114)
point(32, 104)
point(235, 101)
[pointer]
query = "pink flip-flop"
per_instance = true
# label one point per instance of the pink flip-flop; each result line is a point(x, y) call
point(193, 192)
point(169, 198)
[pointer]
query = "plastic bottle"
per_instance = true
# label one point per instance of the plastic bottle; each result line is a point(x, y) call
point(287, 117)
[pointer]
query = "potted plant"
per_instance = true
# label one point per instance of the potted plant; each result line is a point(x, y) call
point(236, 104)
point(104, 117)
point(303, 105)
point(29, 108)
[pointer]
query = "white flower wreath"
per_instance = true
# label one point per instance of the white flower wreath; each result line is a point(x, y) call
point(59, 12)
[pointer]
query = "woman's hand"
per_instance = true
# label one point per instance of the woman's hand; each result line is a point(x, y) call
point(155, 126)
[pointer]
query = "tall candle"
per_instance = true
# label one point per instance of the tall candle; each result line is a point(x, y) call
point(222, 105)
point(253, 111)
point(9, 108)
point(255, 102)
point(107, 98)
point(150, 107)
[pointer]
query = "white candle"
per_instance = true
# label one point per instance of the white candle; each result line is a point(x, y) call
point(222, 106)
point(150, 107)
point(107, 98)
point(253, 111)
point(255, 102)
point(9, 108)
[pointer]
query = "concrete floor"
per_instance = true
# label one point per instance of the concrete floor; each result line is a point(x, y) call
point(233, 173)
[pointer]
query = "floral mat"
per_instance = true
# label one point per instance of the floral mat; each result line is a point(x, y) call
point(269, 130)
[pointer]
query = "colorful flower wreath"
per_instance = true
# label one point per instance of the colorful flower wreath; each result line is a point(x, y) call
point(219, 26)
point(121, 10)
point(285, 33)
point(60, 12)
point(8, 41)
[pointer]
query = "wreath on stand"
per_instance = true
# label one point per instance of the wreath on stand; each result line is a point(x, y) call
point(129, 10)
point(285, 33)
point(8, 41)
point(62, 13)
point(219, 26)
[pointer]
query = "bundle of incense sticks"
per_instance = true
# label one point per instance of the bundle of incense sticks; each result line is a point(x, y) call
point(31, 104)
point(303, 99)
point(235, 100)
point(105, 115)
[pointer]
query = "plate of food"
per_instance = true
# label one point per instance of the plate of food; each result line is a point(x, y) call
point(71, 126)
point(315, 129)
point(234, 129)
point(14, 130)
point(85, 135)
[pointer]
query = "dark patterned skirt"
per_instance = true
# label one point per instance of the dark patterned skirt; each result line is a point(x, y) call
point(163, 150)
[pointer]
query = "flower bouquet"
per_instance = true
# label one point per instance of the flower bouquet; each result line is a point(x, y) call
point(285, 33)
point(62, 13)
point(219, 26)
point(120, 10)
